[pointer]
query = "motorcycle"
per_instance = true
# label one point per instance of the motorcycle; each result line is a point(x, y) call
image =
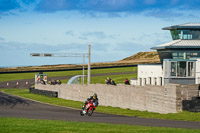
point(87, 108)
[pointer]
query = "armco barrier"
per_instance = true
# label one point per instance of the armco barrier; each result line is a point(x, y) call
point(160, 99)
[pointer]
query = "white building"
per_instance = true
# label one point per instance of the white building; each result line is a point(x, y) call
point(180, 59)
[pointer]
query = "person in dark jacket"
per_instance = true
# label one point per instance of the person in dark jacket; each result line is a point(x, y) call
point(112, 82)
point(108, 81)
point(126, 82)
point(92, 99)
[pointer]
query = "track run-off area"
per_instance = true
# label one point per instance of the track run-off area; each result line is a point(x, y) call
point(13, 106)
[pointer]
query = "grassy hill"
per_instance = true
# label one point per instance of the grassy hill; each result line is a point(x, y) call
point(143, 56)
point(139, 58)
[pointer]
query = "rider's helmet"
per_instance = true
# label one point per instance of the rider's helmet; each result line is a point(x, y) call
point(95, 96)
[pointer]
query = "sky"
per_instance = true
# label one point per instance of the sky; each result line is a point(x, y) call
point(115, 29)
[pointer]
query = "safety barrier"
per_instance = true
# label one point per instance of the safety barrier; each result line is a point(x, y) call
point(44, 92)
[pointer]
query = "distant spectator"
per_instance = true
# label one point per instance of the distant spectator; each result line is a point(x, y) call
point(58, 82)
point(38, 79)
point(112, 82)
point(45, 78)
point(126, 82)
point(108, 81)
point(43, 82)
point(52, 82)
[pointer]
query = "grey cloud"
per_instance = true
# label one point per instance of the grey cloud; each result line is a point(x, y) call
point(83, 38)
point(98, 35)
point(70, 33)
point(167, 14)
point(2, 39)
point(37, 47)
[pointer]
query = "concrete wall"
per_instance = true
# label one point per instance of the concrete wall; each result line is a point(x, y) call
point(160, 99)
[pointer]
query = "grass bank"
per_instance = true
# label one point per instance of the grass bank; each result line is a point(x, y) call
point(101, 79)
point(19, 76)
point(19, 125)
point(186, 116)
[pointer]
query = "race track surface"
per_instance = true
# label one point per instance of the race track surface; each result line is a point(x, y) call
point(11, 106)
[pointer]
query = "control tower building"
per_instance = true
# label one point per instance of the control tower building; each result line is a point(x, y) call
point(180, 58)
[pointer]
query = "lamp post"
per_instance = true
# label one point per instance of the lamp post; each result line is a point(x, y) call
point(89, 56)
point(69, 55)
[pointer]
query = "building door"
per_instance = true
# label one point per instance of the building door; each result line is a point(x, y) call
point(161, 81)
point(150, 80)
point(145, 81)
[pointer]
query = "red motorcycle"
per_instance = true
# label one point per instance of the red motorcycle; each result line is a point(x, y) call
point(87, 108)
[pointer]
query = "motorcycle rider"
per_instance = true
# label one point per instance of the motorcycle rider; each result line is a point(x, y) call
point(92, 99)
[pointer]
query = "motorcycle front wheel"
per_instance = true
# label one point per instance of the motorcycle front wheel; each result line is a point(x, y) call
point(90, 112)
point(81, 113)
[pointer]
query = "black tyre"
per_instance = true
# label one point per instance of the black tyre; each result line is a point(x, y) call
point(90, 112)
point(81, 113)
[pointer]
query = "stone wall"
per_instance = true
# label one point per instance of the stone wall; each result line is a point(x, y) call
point(160, 99)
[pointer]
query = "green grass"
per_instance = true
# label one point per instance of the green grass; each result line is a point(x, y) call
point(186, 116)
point(101, 79)
point(21, 125)
point(18, 76)
point(117, 78)
point(55, 101)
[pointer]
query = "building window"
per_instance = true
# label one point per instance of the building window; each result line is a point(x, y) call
point(191, 69)
point(180, 55)
point(195, 54)
point(181, 69)
point(175, 55)
point(174, 34)
point(185, 34)
point(173, 69)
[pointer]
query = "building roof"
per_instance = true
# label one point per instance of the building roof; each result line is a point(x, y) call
point(179, 44)
point(184, 26)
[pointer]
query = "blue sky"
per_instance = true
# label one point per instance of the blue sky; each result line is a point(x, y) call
point(115, 29)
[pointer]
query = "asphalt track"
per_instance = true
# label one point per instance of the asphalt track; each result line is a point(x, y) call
point(12, 106)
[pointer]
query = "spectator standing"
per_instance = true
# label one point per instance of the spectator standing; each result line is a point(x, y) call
point(112, 82)
point(108, 81)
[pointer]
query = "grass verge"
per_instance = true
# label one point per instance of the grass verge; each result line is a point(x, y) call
point(20, 125)
point(101, 79)
point(186, 116)
point(19, 76)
